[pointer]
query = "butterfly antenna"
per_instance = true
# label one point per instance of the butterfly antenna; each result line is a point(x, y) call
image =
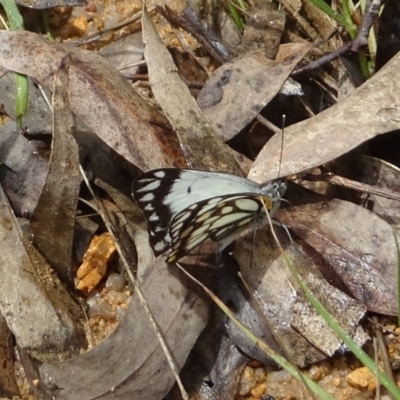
point(253, 246)
point(281, 156)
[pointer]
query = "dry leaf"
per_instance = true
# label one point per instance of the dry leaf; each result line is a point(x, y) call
point(22, 177)
point(230, 291)
point(99, 96)
point(38, 118)
point(239, 90)
point(357, 244)
point(53, 220)
point(284, 305)
point(130, 227)
point(125, 51)
point(384, 175)
point(41, 314)
point(371, 110)
point(202, 147)
point(130, 363)
point(8, 382)
point(263, 29)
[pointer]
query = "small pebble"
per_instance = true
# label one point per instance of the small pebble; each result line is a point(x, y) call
point(114, 297)
point(115, 282)
point(247, 381)
point(258, 390)
point(102, 308)
point(318, 372)
point(93, 298)
point(119, 313)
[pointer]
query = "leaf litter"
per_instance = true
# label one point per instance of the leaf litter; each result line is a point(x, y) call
point(53, 237)
point(106, 104)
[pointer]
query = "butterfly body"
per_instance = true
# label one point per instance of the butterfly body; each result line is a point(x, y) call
point(183, 208)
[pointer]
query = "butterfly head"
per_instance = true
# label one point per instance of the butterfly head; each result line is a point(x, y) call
point(272, 194)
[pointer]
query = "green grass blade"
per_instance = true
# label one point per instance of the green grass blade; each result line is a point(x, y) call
point(21, 81)
point(21, 84)
point(357, 351)
point(348, 25)
point(349, 19)
point(263, 346)
point(13, 15)
point(236, 17)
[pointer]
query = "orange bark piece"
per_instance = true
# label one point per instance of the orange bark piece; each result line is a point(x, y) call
point(362, 378)
point(95, 260)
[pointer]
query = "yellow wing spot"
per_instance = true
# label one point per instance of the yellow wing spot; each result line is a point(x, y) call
point(227, 210)
point(204, 216)
point(245, 221)
point(266, 201)
point(227, 220)
point(172, 257)
point(187, 231)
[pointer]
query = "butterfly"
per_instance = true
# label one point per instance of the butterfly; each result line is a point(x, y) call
point(183, 208)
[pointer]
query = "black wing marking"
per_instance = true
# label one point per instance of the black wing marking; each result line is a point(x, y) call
point(162, 193)
point(150, 191)
point(165, 195)
point(220, 219)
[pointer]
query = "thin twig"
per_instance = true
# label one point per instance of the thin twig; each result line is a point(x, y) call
point(190, 22)
point(348, 183)
point(99, 34)
point(371, 12)
point(382, 348)
point(139, 292)
point(323, 60)
point(376, 360)
point(268, 124)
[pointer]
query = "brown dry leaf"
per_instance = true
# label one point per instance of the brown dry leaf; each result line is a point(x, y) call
point(24, 168)
point(358, 245)
point(128, 227)
point(202, 147)
point(371, 110)
point(94, 266)
point(38, 310)
point(132, 225)
point(213, 367)
point(230, 291)
point(22, 176)
point(225, 373)
point(384, 175)
point(297, 326)
point(38, 118)
point(130, 363)
point(190, 70)
point(8, 382)
point(125, 51)
point(53, 220)
point(239, 90)
point(85, 228)
point(263, 29)
point(99, 96)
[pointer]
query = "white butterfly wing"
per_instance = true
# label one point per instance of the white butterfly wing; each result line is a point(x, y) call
point(164, 193)
point(182, 188)
point(221, 219)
